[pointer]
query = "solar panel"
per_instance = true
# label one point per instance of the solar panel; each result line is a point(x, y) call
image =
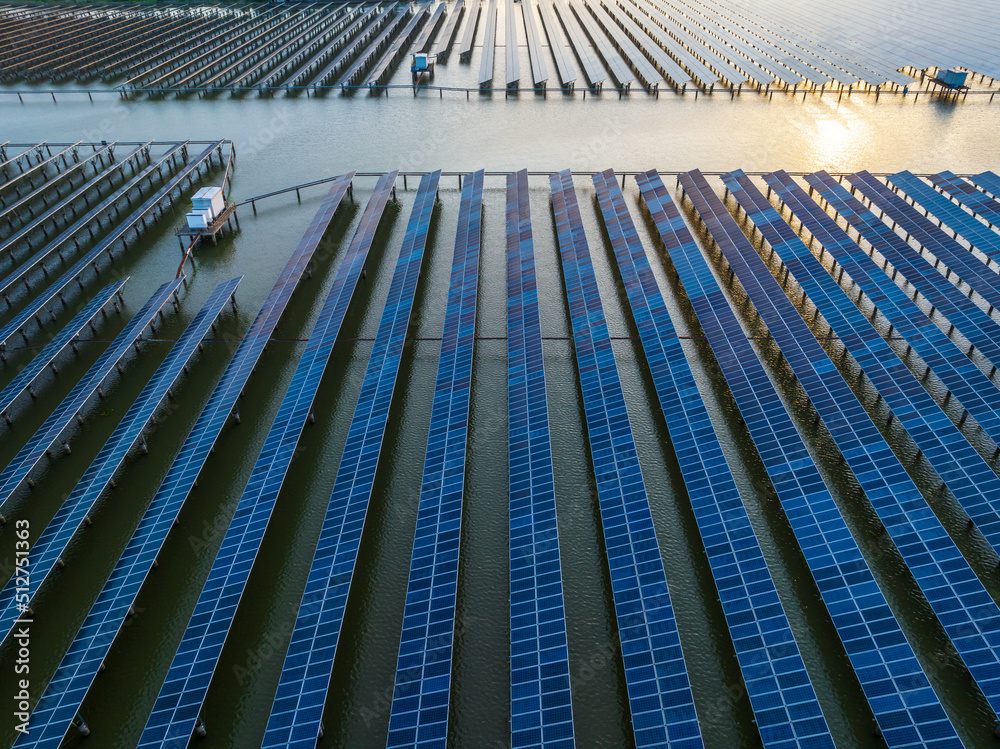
point(955, 257)
point(57, 287)
point(297, 711)
point(540, 697)
point(18, 470)
point(980, 236)
point(510, 45)
point(469, 35)
point(968, 476)
point(443, 45)
point(660, 699)
point(398, 15)
point(419, 712)
point(961, 603)
point(539, 70)
point(489, 45)
point(49, 547)
point(593, 71)
point(602, 46)
point(176, 709)
point(989, 183)
point(65, 337)
point(560, 53)
point(69, 686)
point(898, 693)
point(970, 385)
point(781, 694)
point(963, 191)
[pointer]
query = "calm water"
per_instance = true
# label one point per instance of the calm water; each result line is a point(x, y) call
point(286, 141)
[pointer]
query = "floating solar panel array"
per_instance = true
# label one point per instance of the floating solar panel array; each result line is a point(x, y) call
point(780, 691)
point(178, 705)
point(297, 712)
point(18, 471)
point(958, 598)
point(660, 699)
point(418, 716)
point(540, 697)
point(899, 694)
point(964, 379)
point(957, 462)
point(48, 549)
point(72, 680)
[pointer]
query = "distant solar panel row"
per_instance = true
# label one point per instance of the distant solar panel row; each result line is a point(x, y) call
point(50, 546)
point(540, 697)
point(176, 709)
point(418, 716)
point(956, 258)
point(785, 706)
point(965, 472)
point(65, 337)
point(899, 694)
point(964, 379)
point(297, 712)
point(955, 594)
point(19, 470)
point(489, 46)
point(69, 686)
point(660, 700)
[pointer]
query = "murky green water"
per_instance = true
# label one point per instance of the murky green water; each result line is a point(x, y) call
point(285, 141)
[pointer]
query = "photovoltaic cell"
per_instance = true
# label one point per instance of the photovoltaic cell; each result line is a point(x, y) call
point(781, 694)
point(18, 470)
point(898, 692)
point(965, 472)
point(297, 711)
point(989, 183)
point(660, 699)
point(960, 601)
point(65, 337)
point(69, 686)
point(178, 705)
point(540, 697)
point(49, 547)
point(419, 713)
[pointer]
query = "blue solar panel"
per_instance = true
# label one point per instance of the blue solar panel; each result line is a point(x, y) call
point(962, 604)
point(176, 709)
point(540, 697)
point(967, 383)
point(955, 257)
point(980, 236)
point(899, 694)
point(988, 182)
point(979, 202)
point(49, 547)
point(785, 707)
point(948, 300)
point(418, 716)
point(297, 711)
point(66, 690)
point(57, 287)
point(660, 699)
point(65, 337)
point(963, 469)
point(19, 469)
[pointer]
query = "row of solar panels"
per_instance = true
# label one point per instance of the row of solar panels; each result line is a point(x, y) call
point(785, 706)
point(313, 44)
